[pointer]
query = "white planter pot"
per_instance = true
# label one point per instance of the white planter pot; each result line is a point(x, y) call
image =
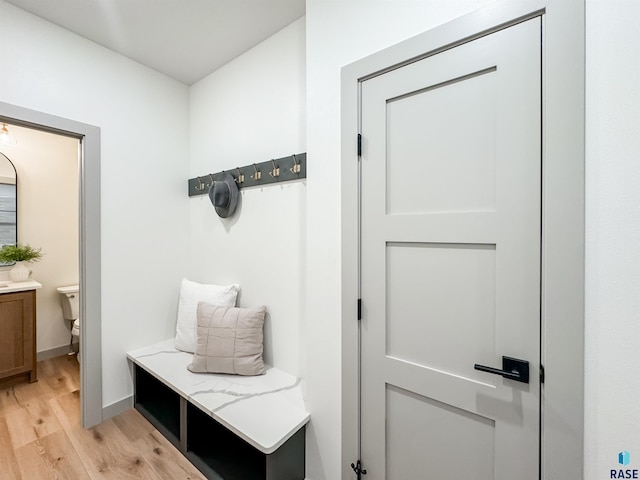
point(19, 273)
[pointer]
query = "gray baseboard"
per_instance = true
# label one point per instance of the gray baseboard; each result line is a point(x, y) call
point(55, 352)
point(117, 408)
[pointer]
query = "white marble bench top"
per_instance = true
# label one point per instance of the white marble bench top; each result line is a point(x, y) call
point(264, 410)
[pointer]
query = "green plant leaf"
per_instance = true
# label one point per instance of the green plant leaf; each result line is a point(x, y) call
point(20, 253)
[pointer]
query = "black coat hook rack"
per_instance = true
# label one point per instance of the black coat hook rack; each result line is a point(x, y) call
point(277, 170)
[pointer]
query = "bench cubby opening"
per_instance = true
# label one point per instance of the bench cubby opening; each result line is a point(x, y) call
point(158, 404)
point(217, 451)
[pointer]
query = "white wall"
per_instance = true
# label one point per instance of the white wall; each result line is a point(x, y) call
point(339, 33)
point(144, 121)
point(612, 398)
point(249, 111)
point(612, 323)
point(7, 172)
point(47, 169)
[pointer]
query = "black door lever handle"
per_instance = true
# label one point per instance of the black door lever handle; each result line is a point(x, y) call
point(512, 368)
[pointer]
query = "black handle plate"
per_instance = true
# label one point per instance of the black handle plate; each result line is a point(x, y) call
point(512, 368)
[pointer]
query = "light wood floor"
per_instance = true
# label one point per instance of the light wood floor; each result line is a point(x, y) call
point(41, 436)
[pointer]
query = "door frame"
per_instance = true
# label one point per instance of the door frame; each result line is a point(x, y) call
point(90, 247)
point(562, 296)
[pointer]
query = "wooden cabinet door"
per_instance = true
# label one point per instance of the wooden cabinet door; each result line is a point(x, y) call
point(17, 334)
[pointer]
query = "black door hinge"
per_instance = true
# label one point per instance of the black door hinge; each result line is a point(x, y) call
point(359, 309)
point(541, 373)
point(358, 469)
point(359, 145)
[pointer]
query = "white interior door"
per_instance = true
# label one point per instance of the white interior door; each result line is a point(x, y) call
point(450, 273)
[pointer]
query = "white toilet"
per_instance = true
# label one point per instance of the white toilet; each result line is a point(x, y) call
point(71, 309)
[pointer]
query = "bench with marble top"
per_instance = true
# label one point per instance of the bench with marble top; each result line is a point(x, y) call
point(229, 426)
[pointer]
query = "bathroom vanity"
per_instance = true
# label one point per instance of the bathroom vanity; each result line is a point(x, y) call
point(18, 331)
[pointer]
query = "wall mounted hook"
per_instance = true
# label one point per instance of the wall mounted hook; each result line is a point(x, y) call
point(296, 166)
point(282, 169)
point(275, 171)
point(240, 178)
point(258, 175)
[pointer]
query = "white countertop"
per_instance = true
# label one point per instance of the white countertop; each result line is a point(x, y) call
point(265, 410)
point(10, 287)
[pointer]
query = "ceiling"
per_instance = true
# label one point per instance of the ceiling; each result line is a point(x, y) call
point(184, 39)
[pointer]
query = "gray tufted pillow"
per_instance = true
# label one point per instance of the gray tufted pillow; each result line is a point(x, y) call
point(228, 340)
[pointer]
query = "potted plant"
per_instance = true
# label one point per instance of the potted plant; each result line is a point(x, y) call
point(19, 254)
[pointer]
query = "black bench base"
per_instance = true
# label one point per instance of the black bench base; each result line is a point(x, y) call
point(213, 449)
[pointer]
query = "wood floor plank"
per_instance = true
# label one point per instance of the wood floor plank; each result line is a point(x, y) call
point(106, 453)
point(165, 459)
point(68, 378)
point(41, 436)
point(8, 463)
point(19, 396)
point(7, 400)
point(34, 419)
point(20, 428)
point(51, 457)
point(60, 374)
point(133, 425)
point(67, 409)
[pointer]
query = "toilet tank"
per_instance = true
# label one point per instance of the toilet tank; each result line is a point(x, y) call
point(70, 301)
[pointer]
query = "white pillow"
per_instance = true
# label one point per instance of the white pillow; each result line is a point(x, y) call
point(190, 294)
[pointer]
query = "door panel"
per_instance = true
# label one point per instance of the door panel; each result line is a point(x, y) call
point(467, 445)
point(458, 291)
point(434, 185)
point(450, 245)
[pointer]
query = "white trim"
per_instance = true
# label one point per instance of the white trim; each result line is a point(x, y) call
point(563, 207)
point(90, 258)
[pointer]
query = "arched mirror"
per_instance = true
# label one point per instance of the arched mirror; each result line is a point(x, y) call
point(8, 203)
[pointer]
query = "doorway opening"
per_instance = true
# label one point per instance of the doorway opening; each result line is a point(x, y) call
point(47, 219)
point(89, 244)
